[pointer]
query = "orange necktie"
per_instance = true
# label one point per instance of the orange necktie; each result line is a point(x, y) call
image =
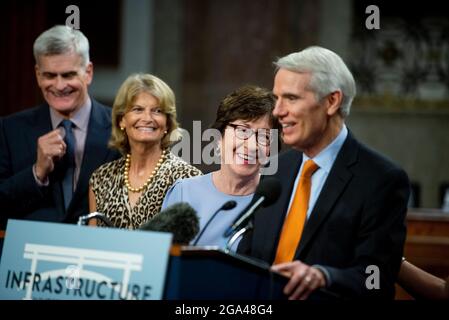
point(296, 218)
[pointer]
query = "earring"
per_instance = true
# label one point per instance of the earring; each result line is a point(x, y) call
point(122, 128)
point(165, 132)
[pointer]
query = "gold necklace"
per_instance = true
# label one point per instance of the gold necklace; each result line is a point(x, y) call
point(127, 166)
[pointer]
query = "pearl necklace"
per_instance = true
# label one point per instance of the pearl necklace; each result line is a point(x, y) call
point(127, 166)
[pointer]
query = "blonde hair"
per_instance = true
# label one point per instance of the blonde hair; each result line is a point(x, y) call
point(133, 86)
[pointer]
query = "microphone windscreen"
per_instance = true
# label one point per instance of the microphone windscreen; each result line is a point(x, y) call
point(229, 205)
point(180, 219)
point(270, 188)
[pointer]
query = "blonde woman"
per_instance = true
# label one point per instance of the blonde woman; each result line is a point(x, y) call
point(130, 190)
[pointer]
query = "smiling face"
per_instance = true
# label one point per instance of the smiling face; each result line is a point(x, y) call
point(307, 124)
point(64, 81)
point(243, 157)
point(144, 121)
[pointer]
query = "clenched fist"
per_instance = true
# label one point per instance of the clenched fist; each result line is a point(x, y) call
point(50, 148)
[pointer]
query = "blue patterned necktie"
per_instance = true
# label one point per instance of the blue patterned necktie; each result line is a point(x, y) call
point(69, 160)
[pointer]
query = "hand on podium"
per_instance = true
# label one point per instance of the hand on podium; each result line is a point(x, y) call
point(304, 279)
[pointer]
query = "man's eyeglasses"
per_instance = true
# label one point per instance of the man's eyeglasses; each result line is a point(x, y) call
point(263, 136)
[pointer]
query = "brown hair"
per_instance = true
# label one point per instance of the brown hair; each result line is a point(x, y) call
point(247, 103)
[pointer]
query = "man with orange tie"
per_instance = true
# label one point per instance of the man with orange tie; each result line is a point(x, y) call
point(339, 223)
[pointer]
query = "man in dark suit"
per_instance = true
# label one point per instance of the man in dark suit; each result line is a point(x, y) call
point(48, 153)
point(339, 222)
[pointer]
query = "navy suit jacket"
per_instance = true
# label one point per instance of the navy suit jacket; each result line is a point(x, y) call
point(20, 196)
point(358, 220)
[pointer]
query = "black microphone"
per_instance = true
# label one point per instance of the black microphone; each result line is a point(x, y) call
point(180, 219)
point(231, 204)
point(82, 220)
point(267, 192)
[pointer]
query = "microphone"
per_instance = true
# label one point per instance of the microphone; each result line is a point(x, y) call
point(180, 219)
point(267, 192)
point(82, 220)
point(231, 204)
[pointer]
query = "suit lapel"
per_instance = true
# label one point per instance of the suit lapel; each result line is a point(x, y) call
point(338, 178)
point(275, 215)
point(95, 150)
point(42, 125)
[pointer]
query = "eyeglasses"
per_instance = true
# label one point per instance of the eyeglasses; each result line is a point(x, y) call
point(263, 136)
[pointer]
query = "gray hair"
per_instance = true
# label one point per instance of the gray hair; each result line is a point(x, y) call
point(62, 39)
point(328, 71)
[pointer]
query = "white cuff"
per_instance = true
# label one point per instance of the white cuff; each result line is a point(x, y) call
point(326, 273)
point(40, 183)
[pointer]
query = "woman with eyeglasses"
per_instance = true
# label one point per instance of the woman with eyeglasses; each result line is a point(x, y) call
point(245, 124)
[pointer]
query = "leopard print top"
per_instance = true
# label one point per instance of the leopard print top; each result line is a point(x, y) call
point(111, 194)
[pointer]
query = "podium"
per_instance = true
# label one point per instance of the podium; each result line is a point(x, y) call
point(58, 261)
point(208, 273)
